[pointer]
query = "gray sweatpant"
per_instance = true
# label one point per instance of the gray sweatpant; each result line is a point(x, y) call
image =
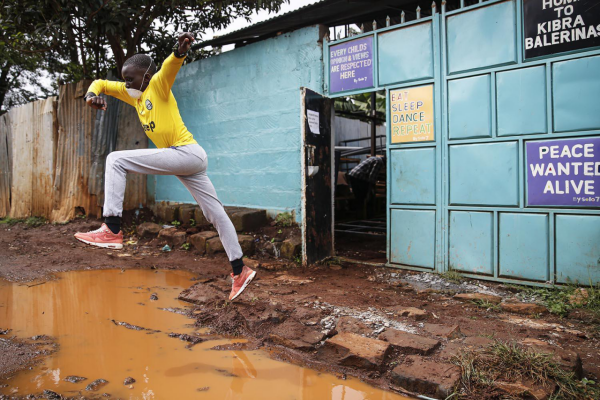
point(189, 164)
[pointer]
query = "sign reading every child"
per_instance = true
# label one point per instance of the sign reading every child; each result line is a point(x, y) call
point(564, 172)
point(351, 65)
point(412, 114)
point(556, 26)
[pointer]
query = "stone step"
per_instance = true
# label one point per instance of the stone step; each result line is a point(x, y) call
point(173, 237)
point(352, 350)
point(294, 335)
point(426, 377)
point(243, 219)
point(199, 240)
point(468, 297)
point(148, 230)
point(291, 248)
point(214, 245)
point(407, 343)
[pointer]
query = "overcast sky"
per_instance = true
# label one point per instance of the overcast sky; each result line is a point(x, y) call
point(261, 16)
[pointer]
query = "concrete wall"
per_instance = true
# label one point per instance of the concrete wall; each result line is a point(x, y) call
point(243, 107)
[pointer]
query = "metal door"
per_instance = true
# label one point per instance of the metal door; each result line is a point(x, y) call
point(317, 194)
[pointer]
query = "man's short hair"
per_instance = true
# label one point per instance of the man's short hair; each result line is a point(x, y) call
point(141, 61)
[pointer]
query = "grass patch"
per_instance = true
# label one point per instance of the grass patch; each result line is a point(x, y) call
point(284, 219)
point(9, 221)
point(510, 362)
point(34, 222)
point(561, 300)
point(481, 303)
point(453, 276)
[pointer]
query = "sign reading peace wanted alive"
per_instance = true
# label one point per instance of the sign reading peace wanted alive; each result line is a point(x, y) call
point(557, 26)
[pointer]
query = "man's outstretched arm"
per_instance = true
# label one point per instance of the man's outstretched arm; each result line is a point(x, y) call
point(111, 88)
point(165, 78)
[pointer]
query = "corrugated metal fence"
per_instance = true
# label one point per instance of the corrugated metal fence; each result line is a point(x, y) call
point(53, 151)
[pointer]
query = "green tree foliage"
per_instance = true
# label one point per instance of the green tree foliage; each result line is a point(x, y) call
point(76, 39)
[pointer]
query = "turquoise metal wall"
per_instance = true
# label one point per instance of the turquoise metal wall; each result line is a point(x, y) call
point(243, 107)
point(460, 202)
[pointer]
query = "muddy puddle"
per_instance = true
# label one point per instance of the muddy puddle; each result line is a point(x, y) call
point(83, 309)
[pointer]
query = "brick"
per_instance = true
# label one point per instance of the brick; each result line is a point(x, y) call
point(173, 237)
point(167, 212)
point(349, 324)
point(148, 229)
point(290, 248)
point(214, 245)
point(186, 213)
point(294, 335)
point(526, 389)
point(249, 220)
point(407, 343)
point(201, 294)
point(468, 297)
point(247, 244)
point(523, 308)
point(425, 377)
point(411, 312)
point(352, 350)
point(449, 332)
point(200, 218)
point(198, 240)
point(477, 342)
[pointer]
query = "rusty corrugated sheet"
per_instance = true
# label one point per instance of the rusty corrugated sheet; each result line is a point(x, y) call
point(73, 155)
point(45, 131)
point(33, 129)
point(22, 165)
point(131, 136)
point(104, 139)
point(5, 164)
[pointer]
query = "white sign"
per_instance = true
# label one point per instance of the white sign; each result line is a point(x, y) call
point(313, 121)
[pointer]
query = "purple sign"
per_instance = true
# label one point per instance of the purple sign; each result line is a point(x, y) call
point(564, 172)
point(351, 65)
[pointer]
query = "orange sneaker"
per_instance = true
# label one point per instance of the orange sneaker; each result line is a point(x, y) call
point(240, 282)
point(102, 237)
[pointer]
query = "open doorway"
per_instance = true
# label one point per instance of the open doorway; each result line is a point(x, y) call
point(361, 183)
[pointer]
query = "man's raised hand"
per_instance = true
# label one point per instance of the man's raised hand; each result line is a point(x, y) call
point(185, 41)
point(96, 102)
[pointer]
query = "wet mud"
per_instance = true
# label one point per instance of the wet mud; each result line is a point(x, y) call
point(290, 312)
point(110, 343)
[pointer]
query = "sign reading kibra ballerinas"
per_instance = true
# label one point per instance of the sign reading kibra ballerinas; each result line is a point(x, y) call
point(557, 26)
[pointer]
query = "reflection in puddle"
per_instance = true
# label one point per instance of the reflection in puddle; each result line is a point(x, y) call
point(78, 310)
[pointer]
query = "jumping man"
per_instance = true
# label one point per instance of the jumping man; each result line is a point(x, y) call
point(177, 153)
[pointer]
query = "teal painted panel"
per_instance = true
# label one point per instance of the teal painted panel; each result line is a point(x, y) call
point(484, 174)
point(406, 54)
point(521, 101)
point(412, 239)
point(575, 88)
point(578, 248)
point(469, 108)
point(471, 248)
point(413, 176)
point(482, 38)
point(243, 107)
point(524, 246)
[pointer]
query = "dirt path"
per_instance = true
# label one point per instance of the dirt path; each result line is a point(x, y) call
point(369, 322)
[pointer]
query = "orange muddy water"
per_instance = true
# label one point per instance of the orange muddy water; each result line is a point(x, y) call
point(78, 310)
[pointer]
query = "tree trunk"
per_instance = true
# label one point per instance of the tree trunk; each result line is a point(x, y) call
point(117, 50)
point(4, 86)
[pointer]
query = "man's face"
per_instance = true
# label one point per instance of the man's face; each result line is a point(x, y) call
point(135, 77)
